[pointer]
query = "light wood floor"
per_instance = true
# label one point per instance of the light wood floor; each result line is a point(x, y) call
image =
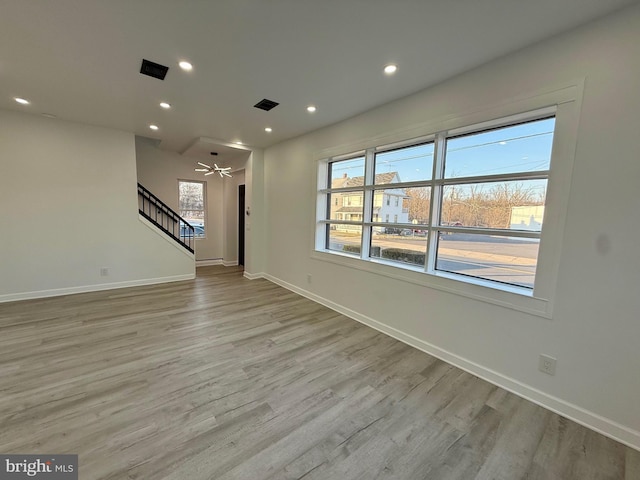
point(225, 378)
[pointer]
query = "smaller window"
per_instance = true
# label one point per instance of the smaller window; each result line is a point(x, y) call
point(388, 199)
point(397, 201)
point(387, 218)
point(191, 201)
point(395, 219)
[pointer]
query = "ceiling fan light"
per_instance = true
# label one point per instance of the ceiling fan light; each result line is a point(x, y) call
point(222, 171)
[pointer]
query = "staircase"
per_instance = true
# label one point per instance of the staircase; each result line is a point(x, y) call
point(163, 217)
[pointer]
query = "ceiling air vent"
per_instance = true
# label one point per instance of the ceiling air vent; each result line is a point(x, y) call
point(154, 70)
point(266, 105)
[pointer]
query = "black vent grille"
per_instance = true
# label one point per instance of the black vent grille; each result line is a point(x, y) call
point(266, 104)
point(154, 70)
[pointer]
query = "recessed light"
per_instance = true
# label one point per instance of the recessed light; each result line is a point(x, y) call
point(165, 105)
point(311, 108)
point(268, 130)
point(22, 101)
point(186, 66)
point(153, 127)
point(238, 142)
point(390, 69)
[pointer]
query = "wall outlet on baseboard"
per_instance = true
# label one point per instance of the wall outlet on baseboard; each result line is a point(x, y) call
point(104, 271)
point(547, 364)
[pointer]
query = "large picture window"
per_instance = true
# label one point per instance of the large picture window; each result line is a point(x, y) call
point(192, 204)
point(468, 204)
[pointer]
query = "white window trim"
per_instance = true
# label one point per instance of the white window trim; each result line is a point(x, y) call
point(566, 101)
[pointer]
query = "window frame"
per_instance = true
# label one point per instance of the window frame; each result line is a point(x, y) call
point(437, 183)
point(204, 206)
point(563, 102)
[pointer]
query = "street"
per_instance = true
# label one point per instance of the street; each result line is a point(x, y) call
point(501, 259)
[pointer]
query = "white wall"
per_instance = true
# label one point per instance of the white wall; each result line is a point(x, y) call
point(69, 207)
point(595, 329)
point(256, 222)
point(159, 172)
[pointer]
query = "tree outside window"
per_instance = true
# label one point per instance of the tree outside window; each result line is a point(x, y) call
point(192, 204)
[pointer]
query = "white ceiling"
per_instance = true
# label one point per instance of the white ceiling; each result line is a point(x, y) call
point(80, 59)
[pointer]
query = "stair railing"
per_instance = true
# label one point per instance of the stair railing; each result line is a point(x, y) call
point(167, 220)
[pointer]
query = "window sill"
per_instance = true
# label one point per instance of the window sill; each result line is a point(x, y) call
point(507, 296)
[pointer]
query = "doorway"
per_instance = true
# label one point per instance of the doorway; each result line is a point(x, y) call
point(241, 221)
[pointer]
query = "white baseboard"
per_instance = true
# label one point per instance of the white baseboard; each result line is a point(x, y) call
point(208, 263)
point(216, 261)
point(13, 297)
point(255, 276)
point(591, 420)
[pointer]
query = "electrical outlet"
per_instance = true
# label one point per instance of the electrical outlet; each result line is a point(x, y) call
point(547, 364)
point(308, 278)
point(104, 272)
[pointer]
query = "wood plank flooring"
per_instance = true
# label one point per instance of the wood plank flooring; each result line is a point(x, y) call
point(225, 378)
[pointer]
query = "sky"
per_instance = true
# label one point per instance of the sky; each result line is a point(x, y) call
point(520, 148)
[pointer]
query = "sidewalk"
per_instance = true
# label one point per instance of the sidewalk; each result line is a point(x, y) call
point(492, 257)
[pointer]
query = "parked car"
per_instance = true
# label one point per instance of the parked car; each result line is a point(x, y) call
point(198, 231)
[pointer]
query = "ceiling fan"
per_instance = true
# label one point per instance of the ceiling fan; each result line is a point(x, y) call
point(222, 171)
